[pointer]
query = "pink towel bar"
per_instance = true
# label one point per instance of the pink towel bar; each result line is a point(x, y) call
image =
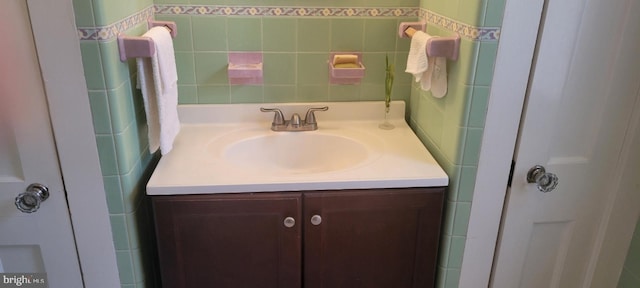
point(448, 47)
point(134, 46)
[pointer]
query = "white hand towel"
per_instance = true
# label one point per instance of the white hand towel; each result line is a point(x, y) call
point(418, 62)
point(439, 77)
point(425, 81)
point(157, 78)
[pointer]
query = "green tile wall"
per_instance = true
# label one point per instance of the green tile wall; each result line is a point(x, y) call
point(473, 12)
point(452, 127)
point(120, 127)
point(295, 54)
point(630, 277)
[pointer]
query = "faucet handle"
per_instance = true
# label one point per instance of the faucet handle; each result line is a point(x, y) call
point(310, 118)
point(278, 118)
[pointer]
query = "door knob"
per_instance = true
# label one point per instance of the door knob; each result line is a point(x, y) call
point(29, 201)
point(544, 180)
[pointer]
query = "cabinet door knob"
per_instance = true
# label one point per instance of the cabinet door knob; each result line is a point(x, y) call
point(316, 220)
point(289, 222)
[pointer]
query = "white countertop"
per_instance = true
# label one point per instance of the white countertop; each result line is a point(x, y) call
point(196, 165)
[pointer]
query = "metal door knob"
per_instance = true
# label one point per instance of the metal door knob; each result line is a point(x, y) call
point(316, 220)
point(289, 222)
point(544, 180)
point(30, 200)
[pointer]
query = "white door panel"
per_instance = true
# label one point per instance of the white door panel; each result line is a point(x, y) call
point(39, 242)
point(581, 95)
point(10, 168)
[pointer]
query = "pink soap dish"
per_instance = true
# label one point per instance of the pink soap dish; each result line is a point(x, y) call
point(346, 75)
point(245, 68)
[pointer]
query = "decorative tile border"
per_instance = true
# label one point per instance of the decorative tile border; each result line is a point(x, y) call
point(293, 11)
point(109, 32)
point(465, 30)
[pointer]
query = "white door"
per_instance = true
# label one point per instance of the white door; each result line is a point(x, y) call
point(42, 241)
point(582, 90)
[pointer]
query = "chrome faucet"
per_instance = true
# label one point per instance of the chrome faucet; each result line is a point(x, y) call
point(295, 124)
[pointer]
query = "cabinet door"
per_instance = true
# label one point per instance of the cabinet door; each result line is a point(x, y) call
point(233, 240)
point(372, 238)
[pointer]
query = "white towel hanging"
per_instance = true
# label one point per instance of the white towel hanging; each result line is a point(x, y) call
point(439, 77)
point(418, 62)
point(157, 78)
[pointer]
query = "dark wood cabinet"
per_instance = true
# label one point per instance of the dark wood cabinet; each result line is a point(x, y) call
point(380, 238)
point(232, 240)
point(349, 238)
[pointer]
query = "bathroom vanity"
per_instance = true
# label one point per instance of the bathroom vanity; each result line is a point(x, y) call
point(346, 205)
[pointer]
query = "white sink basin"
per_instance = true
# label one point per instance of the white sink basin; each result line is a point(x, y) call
point(290, 153)
point(230, 149)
